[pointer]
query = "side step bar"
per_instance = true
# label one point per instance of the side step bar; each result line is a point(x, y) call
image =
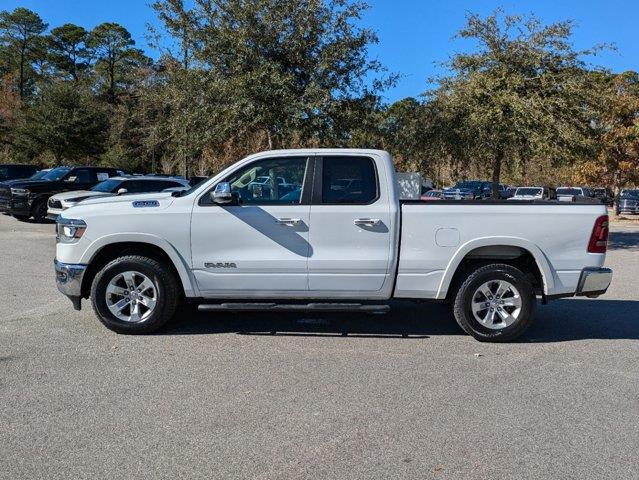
point(287, 307)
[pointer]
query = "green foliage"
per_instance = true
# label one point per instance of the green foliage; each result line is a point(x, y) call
point(307, 58)
point(19, 34)
point(65, 123)
point(116, 58)
point(523, 93)
point(238, 76)
point(68, 50)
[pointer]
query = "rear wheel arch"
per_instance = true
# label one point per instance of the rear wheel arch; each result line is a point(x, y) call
point(527, 258)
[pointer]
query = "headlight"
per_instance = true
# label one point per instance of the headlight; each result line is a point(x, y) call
point(69, 230)
point(20, 191)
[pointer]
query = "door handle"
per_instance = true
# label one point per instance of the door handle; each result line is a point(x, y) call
point(367, 222)
point(289, 221)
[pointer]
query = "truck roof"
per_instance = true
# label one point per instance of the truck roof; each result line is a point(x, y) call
point(323, 151)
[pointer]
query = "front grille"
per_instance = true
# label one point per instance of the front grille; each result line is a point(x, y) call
point(55, 203)
point(5, 193)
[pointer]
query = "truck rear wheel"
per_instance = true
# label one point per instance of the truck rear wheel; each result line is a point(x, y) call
point(496, 303)
point(134, 294)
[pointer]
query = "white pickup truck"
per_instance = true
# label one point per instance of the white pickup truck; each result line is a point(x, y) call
point(337, 238)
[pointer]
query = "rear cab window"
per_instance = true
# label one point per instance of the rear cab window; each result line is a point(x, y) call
point(349, 180)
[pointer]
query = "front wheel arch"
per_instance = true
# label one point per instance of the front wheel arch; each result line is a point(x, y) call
point(114, 250)
point(144, 303)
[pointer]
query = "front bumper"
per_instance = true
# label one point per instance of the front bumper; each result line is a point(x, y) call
point(20, 206)
point(632, 211)
point(68, 279)
point(594, 281)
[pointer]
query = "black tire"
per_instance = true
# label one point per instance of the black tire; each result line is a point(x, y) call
point(21, 218)
point(39, 211)
point(488, 273)
point(166, 285)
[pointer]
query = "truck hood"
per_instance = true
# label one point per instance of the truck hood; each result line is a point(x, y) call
point(13, 183)
point(37, 185)
point(164, 198)
point(82, 194)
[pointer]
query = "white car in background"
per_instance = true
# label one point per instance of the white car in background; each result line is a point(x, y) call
point(573, 194)
point(534, 193)
point(112, 187)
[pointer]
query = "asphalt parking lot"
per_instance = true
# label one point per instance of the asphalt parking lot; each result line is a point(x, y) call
point(400, 396)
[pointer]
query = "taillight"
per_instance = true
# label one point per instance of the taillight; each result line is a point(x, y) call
point(599, 239)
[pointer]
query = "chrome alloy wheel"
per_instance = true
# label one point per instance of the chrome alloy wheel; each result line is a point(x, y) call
point(496, 304)
point(131, 296)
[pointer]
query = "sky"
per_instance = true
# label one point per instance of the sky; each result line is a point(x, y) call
point(415, 36)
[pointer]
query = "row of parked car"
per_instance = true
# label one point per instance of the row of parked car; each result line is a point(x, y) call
point(626, 202)
point(26, 192)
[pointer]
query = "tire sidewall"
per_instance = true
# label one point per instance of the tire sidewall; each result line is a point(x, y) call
point(39, 211)
point(514, 277)
point(98, 295)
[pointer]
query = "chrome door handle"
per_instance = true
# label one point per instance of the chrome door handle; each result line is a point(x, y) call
point(367, 222)
point(289, 221)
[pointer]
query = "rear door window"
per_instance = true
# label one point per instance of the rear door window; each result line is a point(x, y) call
point(81, 176)
point(349, 180)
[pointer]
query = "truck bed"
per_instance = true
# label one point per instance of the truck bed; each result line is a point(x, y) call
point(437, 236)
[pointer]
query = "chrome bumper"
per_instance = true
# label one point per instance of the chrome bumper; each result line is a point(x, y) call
point(68, 278)
point(594, 281)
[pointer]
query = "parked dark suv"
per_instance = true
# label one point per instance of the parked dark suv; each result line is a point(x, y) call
point(12, 172)
point(29, 198)
point(628, 202)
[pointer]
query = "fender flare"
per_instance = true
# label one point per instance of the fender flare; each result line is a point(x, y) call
point(540, 259)
point(179, 262)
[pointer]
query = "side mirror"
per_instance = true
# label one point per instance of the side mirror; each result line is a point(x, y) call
point(222, 194)
point(122, 191)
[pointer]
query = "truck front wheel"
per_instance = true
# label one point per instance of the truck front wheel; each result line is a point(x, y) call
point(134, 294)
point(496, 303)
point(39, 211)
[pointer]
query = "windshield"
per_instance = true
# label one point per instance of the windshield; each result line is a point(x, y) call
point(630, 194)
point(108, 186)
point(39, 175)
point(188, 191)
point(569, 191)
point(4, 173)
point(528, 191)
point(56, 173)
